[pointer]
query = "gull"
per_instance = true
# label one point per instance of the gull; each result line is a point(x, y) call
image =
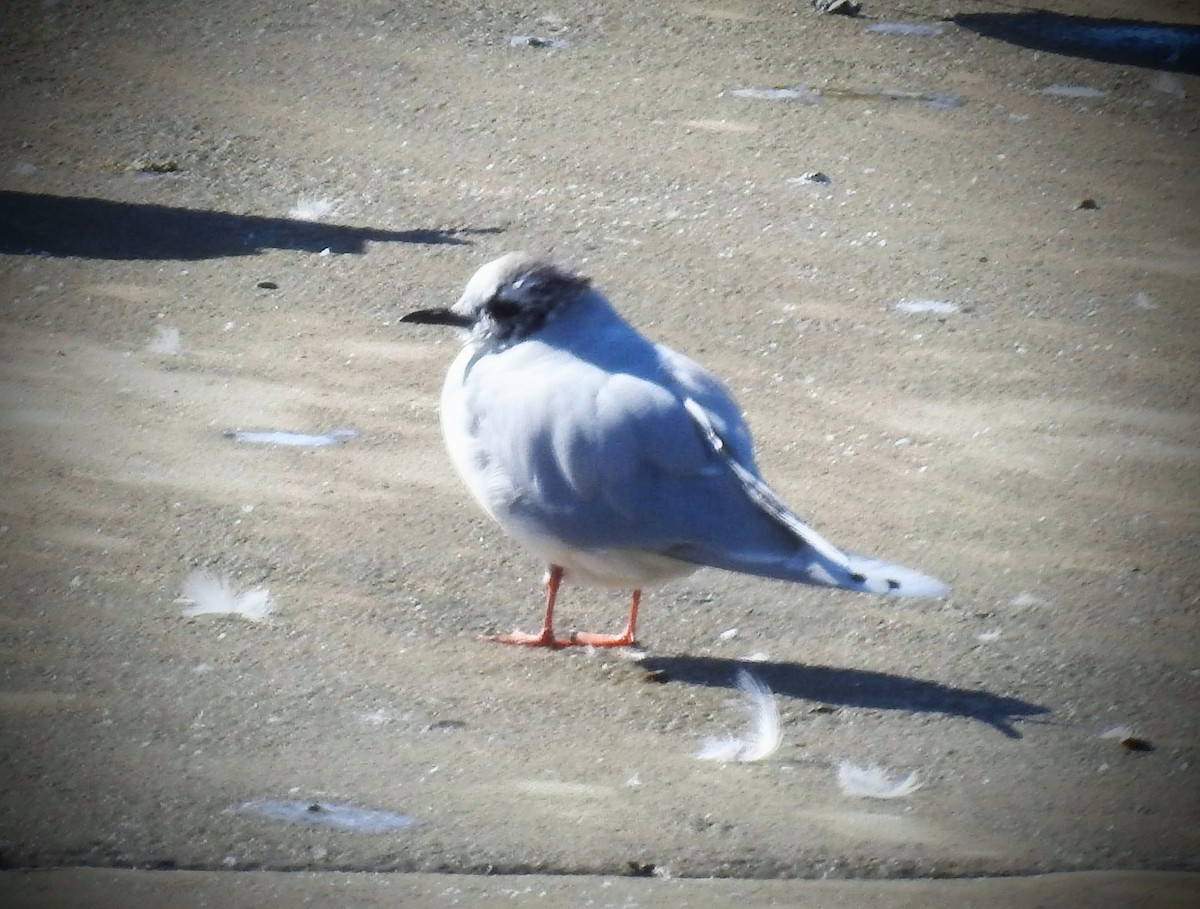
point(619, 462)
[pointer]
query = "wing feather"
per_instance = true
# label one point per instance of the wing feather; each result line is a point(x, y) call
point(761, 494)
point(643, 450)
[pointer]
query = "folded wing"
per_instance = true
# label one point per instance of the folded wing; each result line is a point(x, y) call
point(661, 460)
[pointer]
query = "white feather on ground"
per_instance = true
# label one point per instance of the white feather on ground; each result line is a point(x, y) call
point(757, 657)
point(633, 654)
point(310, 208)
point(939, 307)
point(166, 342)
point(299, 439)
point(873, 782)
point(762, 737)
point(211, 594)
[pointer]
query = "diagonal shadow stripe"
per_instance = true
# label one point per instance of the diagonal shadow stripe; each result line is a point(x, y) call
point(1159, 45)
point(34, 223)
point(855, 688)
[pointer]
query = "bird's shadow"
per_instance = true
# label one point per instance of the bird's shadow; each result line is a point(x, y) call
point(1159, 45)
point(42, 224)
point(855, 688)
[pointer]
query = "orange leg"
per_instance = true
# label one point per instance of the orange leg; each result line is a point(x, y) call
point(624, 639)
point(546, 638)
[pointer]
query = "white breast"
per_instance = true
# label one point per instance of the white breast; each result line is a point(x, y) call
point(495, 486)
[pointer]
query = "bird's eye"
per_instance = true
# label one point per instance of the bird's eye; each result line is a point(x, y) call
point(501, 310)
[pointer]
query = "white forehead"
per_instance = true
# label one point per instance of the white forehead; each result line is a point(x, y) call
point(508, 267)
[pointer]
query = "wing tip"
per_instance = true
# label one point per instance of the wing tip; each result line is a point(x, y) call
point(890, 580)
point(922, 586)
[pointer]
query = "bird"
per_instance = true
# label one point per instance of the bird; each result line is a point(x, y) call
point(617, 461)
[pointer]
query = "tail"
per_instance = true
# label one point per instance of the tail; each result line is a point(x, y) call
point(825, 565)
point(876, 576)
point(820, 562)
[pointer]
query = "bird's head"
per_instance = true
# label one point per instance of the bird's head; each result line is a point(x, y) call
point(508, 299)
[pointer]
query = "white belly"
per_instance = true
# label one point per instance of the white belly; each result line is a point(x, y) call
point(623, 568)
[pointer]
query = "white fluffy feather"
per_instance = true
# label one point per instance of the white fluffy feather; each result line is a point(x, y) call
point(212, 594)
point(310, 208)
point(762, 737)
point(298, 439)
point(873, 782)
point(166, 342)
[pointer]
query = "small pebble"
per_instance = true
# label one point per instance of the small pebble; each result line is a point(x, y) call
point(446, 725)
point(538, 41)
point(812, 177)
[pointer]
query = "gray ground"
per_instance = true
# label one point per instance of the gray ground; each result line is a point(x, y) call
point(1038, 448)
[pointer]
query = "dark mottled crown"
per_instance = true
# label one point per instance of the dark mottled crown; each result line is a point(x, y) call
point(512, 297)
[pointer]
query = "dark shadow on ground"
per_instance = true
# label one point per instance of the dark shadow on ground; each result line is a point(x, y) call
point(854, 688)
point(33, 223)
point(1132, 42)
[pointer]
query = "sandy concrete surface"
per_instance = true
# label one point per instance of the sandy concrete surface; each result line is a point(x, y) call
point(101, 888)
point(1030, 434)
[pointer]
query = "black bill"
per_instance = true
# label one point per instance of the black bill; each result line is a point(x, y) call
point(438, 317)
